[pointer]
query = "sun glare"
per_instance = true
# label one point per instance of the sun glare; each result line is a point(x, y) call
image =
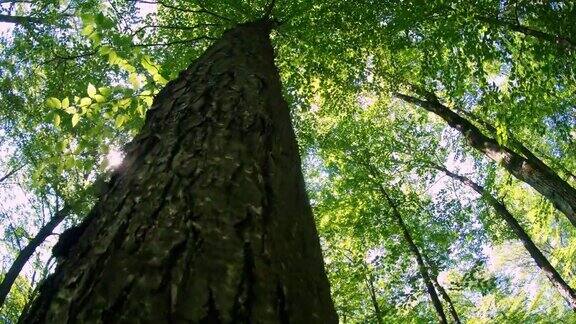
point(114, 158)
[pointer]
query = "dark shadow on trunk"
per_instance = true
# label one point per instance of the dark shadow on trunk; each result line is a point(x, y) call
point(207, 220)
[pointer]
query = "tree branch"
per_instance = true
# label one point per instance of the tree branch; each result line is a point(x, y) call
point(20, 20)
point(10, 173)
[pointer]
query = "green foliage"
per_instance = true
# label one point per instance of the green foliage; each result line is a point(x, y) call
point(16, 301)
point(75, 86)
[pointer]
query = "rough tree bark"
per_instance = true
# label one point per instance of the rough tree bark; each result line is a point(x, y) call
point(541, 261)
point(543, 180)
point(207, 220)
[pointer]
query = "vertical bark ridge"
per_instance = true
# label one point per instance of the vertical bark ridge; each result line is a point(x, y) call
point(207, 220)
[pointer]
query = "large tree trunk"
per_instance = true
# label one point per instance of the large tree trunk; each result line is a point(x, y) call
point(541, 261)
point(207, 220)
point(542, 179)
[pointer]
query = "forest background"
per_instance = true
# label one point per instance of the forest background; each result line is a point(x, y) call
point(438, 139)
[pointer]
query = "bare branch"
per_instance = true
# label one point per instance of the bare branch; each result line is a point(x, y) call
point(71, 57)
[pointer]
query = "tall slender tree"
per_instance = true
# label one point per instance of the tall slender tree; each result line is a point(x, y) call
point(539, 258)
point(411, 245)
point(417, 255)
point(440, 288)
point(373, 298)
point(207, 220)
point(533, 172)
point(28, 251)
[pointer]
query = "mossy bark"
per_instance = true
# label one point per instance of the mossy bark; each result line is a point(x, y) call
point(207, 221)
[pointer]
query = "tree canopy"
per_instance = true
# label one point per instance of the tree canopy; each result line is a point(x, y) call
point(394, 103)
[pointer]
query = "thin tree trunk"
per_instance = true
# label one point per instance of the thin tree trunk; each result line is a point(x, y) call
point(446, 298)
point(372, 291)
point(415, 251)
point(543, 180)
point(443, 292)
point(27, 252)
point(559, 40)
point(207, 220)
point(563, 288)
point(48, 228)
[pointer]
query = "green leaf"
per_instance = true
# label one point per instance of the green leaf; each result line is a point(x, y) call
point(56, 120)
point(113, 57)
point(104, 21)
point(159, 79)
point(65, 103)
point(95, 38)
point(148, 100)
point(53, 103)
point(71, 110)
point(87, 18)
point(99, 98)
point(85, 102)
point(105, 91)
point(153, 70)
point(134, 80)
point(120, 120)
point(87, 30)
point(69, 162)
point(104, 50)
point(91, 90)
point(75, 119)
point(141, 111)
